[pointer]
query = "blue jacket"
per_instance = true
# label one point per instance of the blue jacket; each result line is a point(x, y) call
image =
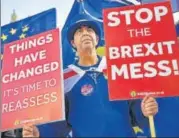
point(91, 114)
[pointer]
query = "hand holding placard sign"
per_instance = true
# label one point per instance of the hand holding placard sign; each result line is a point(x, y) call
point(142, 49)
point(142, 52)
point(32, 81)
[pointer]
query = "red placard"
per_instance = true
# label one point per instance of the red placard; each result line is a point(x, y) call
point(142, 51)
point(32, 82)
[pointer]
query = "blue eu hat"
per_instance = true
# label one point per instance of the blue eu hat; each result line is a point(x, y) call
point(82, 20)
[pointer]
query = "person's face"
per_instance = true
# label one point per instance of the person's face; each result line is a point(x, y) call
point(84, 38)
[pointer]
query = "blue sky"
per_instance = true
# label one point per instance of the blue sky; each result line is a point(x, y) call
point(25, 8)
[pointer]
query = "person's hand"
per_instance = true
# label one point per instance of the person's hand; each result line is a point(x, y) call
point(149, 106)
point(29, 130)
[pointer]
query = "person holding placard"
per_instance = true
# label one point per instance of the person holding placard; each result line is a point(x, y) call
point(90, 113)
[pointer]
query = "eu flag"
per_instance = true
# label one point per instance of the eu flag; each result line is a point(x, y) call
point(29, 26)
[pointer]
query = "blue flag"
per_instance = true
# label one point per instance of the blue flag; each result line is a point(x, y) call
point(27, 27)
point(174, 3)
point(177, 28)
